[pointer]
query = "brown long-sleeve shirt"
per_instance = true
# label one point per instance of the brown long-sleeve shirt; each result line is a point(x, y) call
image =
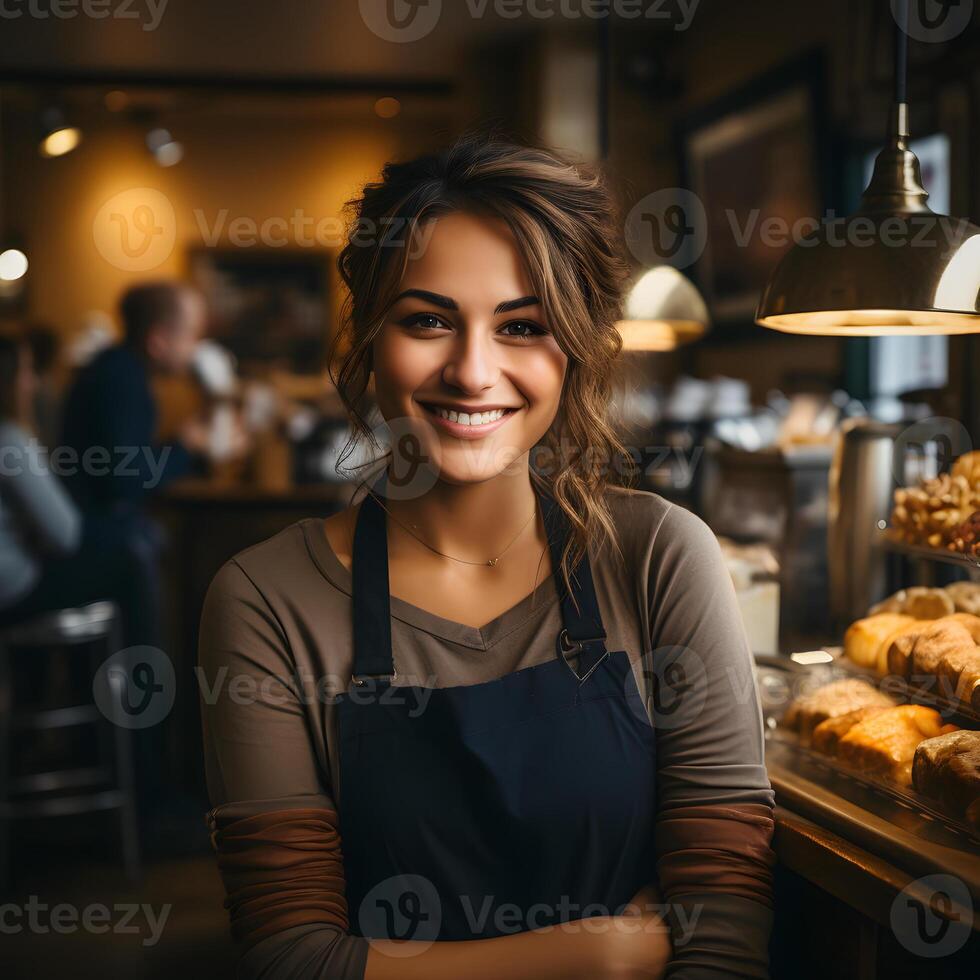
point(276, 647)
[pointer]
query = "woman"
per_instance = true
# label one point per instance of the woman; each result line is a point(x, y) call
point(419, 724)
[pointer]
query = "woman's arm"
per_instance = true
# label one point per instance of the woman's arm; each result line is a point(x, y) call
point(275, 832)
point(715, 802)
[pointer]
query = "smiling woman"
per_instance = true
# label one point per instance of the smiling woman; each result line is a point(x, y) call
point(512, 731)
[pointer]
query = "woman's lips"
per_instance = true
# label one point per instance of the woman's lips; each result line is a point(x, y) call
point(467, 431)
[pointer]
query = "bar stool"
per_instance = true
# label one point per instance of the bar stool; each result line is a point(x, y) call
point(107, 782)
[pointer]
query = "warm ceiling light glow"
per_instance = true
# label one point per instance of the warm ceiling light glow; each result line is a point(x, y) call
point(13, 265)
point(387, 108)
point(663, 309)
point(874, 323)
point(652, 335)
point(61, 141)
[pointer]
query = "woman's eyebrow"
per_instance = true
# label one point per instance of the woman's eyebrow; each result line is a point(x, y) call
point(447, 303)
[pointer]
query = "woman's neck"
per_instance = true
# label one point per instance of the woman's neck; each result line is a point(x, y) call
point(473, 521)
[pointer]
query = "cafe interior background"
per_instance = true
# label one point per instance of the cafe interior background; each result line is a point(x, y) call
point(217, 144)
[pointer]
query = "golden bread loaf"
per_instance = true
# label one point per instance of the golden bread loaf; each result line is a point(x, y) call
point(829, 701)
point(885, 742)
point(865, 636)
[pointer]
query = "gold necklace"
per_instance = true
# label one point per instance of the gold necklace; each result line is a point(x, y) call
point(491, 562)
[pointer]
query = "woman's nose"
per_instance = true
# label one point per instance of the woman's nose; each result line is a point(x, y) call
point(472, 364)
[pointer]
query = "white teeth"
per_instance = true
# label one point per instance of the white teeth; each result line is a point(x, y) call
point(477, 418)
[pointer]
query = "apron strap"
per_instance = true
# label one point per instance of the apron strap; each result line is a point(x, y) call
point(583, 631)
point(372, 601)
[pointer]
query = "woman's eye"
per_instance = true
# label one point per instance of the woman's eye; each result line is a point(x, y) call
point(532, 329)
point(427, 321)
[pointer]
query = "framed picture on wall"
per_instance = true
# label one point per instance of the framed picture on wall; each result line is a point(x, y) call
point(268, 306)
point(756, 161)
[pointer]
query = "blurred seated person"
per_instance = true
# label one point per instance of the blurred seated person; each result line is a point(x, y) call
point(46, 561)
point(110, 424)
point(38, 519)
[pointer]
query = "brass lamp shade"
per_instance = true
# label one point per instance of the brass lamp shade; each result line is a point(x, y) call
point(663, 310)
point(894, 267)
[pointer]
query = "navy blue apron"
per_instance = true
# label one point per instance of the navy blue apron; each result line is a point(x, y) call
point(476, 811)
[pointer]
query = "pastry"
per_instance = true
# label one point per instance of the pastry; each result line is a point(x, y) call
point(965, 596)
point(865, 636)
point(885, 742)
point(968, 466)
point(920, 602)
point(829, 732)
point(947, 768)
point(895, 654)
point(829, 701)
point(966, 537)
point(943, 638)
point(971, 622)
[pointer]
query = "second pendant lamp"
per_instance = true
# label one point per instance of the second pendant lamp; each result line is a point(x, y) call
point(893, 267)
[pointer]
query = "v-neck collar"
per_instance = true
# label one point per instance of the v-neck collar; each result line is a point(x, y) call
point(482, 638)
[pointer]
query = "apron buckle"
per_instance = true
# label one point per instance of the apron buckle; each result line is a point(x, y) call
point(566, 646)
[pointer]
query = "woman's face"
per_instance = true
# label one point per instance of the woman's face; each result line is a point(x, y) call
point(466, 335)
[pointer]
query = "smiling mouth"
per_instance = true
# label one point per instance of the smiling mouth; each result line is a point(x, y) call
point(474, 420)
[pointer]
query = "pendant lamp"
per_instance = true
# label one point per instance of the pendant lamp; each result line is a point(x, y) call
point(663, 309)
point(893, 267)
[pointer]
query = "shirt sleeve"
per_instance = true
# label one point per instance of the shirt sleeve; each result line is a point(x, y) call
point(273, 823)
point(714, 828)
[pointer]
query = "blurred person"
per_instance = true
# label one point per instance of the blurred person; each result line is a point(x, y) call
point(46, 562)
point(110, 423)
point(38, 519)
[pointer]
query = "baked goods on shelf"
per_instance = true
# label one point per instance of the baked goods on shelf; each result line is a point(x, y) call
point(966, 537)
point(827, 735)
point(965, 596)
point(864, 637)
point(830, 701)
point(947, 768)
point(919, 602)
point(931, 513)
point(939, 655)
point(968, 466)
point(885, 742)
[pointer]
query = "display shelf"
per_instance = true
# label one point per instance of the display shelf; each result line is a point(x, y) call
point(890, 542)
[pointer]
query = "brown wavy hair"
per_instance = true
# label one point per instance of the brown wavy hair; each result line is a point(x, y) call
point(564, 221)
